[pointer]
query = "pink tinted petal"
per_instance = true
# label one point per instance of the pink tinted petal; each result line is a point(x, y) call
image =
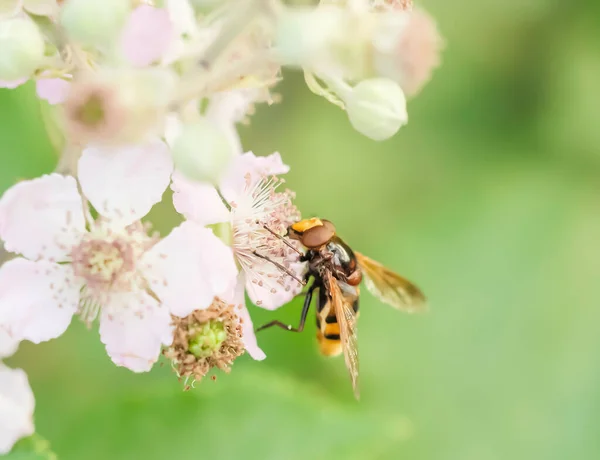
point(8, 343)
point(37, 299)
point(12, 84)
point(189, 268)
point(16, 407)
point(197, 201)
point(247, 169)
point(231, 107)
point(42, 218)
point(236, 297)
point(123, 183)
point(265, 291)
point(133, 327)
point(147, 35)
point(53, 90)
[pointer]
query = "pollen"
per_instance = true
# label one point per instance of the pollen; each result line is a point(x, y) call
point(102, 262)
point(204, 340)
point(107, 263)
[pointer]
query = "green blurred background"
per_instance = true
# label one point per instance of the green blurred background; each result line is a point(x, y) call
point(489, 199)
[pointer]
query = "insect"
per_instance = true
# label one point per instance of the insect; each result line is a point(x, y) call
point(336, 272)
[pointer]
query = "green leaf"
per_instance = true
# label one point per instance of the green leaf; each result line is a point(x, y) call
point(33, 447)
point(252, 414)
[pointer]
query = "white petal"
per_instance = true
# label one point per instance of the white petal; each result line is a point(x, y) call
point(16, 407)
point(247, 169)
point(8, 343)
point(265, 291)
point(197, 201)
point(182, 16)
point(134, 327)
point(123, 183)
point(53, 90)
point(37, 299)
point(231, 106)
point(42, 218)
point(236, 297)
point(147, 35)
point(189, 268)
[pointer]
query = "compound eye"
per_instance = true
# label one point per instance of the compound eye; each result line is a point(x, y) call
point(318, 236)
point(328, 224)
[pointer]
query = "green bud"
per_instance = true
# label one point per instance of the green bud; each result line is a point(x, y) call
point(377, 108)
point(40, 7)
point(95, 22)
point(8, 8)
point(207, 338)
point(202, 151)
point(22, 48)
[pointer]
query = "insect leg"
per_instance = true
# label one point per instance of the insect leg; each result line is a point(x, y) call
point(285, 270)
point(305, 307)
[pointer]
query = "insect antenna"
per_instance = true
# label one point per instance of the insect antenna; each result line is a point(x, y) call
point(282, 238)
point(286, 270)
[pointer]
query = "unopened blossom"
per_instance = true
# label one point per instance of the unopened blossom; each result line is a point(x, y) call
point(108, 267)
point(253, 207)
point(94, 23)
point(16, 398)
point(206, 339)
point(11, 8)
point(22, 46)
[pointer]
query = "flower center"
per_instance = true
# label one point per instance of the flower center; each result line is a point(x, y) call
point(207, 338)
point(103, 263)
point(91, 113)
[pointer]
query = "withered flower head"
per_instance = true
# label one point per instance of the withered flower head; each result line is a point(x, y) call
point(206, 339)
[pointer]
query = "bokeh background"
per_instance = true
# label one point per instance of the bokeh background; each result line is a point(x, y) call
point(489, 199)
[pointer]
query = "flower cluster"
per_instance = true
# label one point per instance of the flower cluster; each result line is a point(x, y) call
point(146, 95)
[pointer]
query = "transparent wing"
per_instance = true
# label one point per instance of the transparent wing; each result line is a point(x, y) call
point(390, 287)
point(347, 321)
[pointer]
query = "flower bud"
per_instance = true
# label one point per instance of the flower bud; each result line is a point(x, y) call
point(22, 48)
point(9, 8)
point(327, 39)
point(94, 22)
point(202, 151)
point(40, 7)
point(377, 108)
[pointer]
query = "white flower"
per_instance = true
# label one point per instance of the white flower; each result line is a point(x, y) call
point(16, 399)
point(108, 266)
point(16, 407)
point(249, 188)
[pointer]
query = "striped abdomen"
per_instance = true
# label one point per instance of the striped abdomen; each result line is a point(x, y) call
point(328, 329)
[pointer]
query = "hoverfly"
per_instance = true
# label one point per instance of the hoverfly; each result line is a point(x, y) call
point(337, 271)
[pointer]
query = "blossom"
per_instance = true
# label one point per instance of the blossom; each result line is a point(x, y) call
point(109, 266)
point(16, 399)
point(147, 35)
point(16, 407)
point(253, 207)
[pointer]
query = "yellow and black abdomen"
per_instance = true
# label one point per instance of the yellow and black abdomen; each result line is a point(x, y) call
point(328, 329)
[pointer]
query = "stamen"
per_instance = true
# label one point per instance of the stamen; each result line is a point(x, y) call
point(204, 340)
